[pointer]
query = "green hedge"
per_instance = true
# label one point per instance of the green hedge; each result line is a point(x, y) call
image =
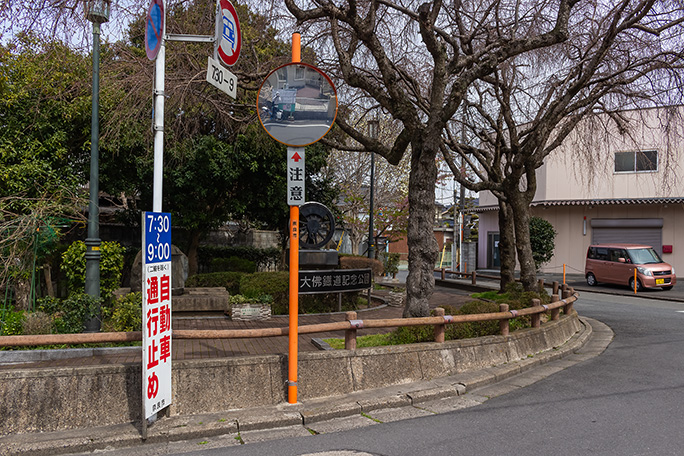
point(233, 264)
point(361, 262)
point(263, 258)
point(276, 284)
point(229, 280)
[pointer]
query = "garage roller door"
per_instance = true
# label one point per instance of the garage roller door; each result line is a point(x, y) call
point(628, 231)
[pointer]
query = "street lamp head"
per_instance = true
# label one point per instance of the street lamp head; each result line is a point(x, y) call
point(97, 11)
point(373, 127)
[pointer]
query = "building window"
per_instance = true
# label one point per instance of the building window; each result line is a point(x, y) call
point(299, 72)
point(637, 161)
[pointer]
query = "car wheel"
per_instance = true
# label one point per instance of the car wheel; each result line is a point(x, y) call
point(639, 287)
point(667, 288)
point(591, 280)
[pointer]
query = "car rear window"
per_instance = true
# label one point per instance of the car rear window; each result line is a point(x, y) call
point(598, 253)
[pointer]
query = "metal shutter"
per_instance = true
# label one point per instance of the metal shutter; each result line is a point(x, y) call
point(628, 231)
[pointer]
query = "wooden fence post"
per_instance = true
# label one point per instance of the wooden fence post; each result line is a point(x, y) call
point(555, 313)
point(350, 334)
point(473, 278)
point(443, 273)
point(536, 318)
point(503, 323)
point(567, 308)
point(555, 287)
point(439, 328)
point(541, 286)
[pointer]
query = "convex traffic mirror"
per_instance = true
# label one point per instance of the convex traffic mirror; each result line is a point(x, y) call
point(297, 104)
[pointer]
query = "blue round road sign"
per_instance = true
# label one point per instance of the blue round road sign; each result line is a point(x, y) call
point(230, 41)
point(154, 28)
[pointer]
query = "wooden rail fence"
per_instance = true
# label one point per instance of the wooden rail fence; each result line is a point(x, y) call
point(351, 325)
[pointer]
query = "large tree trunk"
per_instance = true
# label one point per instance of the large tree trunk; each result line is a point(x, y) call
point(193, 261)
point(506, 245)
point(422, 245)
point(521, 216)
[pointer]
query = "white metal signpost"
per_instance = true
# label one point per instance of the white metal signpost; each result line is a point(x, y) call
point(221, 78)
point(156, 312)
point(295, 176)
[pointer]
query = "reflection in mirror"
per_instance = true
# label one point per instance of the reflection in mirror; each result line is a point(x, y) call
point(297, 104)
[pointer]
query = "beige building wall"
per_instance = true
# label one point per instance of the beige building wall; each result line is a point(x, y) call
point(572, 243)
point(584, 166)
point(582, 171)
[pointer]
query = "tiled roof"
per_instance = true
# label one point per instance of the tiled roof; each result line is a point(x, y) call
point(592, 202)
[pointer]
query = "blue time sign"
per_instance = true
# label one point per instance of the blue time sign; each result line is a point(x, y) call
point(157, 228)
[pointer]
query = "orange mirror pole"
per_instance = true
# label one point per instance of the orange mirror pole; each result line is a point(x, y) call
point(296, 47)
point(294, 275)
point(294, 307)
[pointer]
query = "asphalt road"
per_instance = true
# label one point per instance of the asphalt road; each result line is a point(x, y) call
point(627, 401)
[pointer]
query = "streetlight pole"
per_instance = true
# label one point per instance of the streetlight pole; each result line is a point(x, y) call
point(373, 125)
point(97, 12)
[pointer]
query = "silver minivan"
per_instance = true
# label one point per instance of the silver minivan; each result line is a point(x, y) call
point(615, 263)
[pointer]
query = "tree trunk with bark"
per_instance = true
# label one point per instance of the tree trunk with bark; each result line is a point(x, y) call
point(520, 204)
point(506, 245)
point(422, 244)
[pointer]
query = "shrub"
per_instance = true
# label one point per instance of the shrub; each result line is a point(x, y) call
point(233, 264)
point(229, 280)
point(329, 302)
point(241, 299)
point(125, 314)
point(111, 267)
point(264, 259)
point(12, 322)
point(275, 284)
point(542, 237)
point(361, 262)
point(37, 323)
point(69, 314)
point(412, 335)
point(390, 262)
point(474, 328)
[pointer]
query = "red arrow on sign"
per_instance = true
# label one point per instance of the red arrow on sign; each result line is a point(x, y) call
point(296, 157)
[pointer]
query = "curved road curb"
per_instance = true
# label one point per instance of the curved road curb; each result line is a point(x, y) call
point(328, 414)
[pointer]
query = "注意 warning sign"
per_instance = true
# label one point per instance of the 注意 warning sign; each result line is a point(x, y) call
point(295, 176)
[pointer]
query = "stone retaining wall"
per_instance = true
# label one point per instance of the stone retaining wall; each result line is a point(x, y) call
point(39, 400)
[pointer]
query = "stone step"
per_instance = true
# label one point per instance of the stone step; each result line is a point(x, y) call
point(202, 300)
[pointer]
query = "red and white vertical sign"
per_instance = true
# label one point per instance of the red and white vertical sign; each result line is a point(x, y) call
point(295, 176)
point(156, 312)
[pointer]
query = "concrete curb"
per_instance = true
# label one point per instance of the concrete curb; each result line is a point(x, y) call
point(590, 341)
